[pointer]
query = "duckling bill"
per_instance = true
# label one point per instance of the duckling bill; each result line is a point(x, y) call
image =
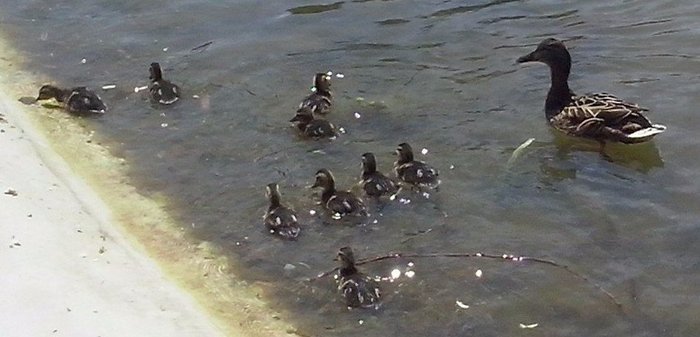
point(280, 219)
point(599, 116)
point(78, 100)
point(341, 203)
point(320, 101)
point(162, 91)
point(358, 290)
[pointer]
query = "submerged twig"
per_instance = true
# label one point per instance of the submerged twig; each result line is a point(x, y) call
point(502, 257)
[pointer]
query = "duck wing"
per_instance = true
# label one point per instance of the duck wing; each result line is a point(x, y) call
point(320, 128)
point(377, 184)
point(283, 222)
point(316, 103)
point(84, 100)
point(345, 203)
point(359, 291)
point(164, 92)
point(417, 173)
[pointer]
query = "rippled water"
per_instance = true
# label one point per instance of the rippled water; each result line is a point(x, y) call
point(442, 76)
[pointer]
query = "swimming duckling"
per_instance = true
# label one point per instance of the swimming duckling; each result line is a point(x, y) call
point(339, 202)
point(313, 127)
point(162, 91)
point(321, 100)
point(600, 116)
point(414, 172)
point(280, 219)
point(374, 182)
point(78, 100)
point(358, 289)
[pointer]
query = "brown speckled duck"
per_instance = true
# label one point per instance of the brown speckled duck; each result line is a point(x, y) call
point(602, 117)
point(320, 100)
point(358, 289)
point(373, 182)
point(313, 127)
point(414, 172)
point(78, 100)
point(279, 219)
point(341, 203)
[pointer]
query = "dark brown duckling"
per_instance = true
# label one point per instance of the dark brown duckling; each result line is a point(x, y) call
point(279, 219)
point(600, 116)
point(341, 203)
point(414, 172)
point(373, 182)
point(320, 100)
point(78, 100)
point(162, 91)
point(313, 127)
point(358, 289)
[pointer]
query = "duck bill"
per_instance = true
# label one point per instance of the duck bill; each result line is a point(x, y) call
point(316, 184)
point(527, 58)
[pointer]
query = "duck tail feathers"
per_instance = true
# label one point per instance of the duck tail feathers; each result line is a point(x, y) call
point(648, 132)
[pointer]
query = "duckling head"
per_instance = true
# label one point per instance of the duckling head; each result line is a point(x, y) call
point(369, 164)
point(405, 153)
point(346, 258)
point(551, 52)
point(322, 83)
point(324, 178)
point(273, 193)
point(49, 91)
point(156, 73)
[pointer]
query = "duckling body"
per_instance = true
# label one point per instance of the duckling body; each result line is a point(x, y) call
point(313, 127)
point(414, 172)
point(162, 91)
point(358, 289)
point(279, 219)
point(373, 182)
point(78, 100)
point(320, 101)
point(599, 116)
point(339, 202)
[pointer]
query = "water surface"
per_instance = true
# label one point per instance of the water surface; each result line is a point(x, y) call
point(442, 76)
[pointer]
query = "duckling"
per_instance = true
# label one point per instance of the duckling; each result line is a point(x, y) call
point(313, 127)
point(280, 219)
point(321, 100)
point(358, 289)
point(162, 91)
point(599, 116)
point(339, 202)
point(414, 172)
point(78, 100)
point(374, 182)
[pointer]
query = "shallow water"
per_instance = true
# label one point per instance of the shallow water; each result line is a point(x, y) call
point(442, 76)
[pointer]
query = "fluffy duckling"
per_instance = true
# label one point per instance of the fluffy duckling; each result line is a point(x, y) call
point(339, 202)
point(374, 182)
point(358, 289)
point(78, 100)
point(600, 116)
point(321, 100)
point(313, 127)
point(414, 172)
point(162, 91)
point(279, 219)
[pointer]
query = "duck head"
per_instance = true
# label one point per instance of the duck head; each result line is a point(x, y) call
point(273, 194)
point(405, 153)
point(346, 258)
point(324, 178)
point(322, 83)
point(551, 52)
point(49, 91)
point(369, 164)
point(156, 73)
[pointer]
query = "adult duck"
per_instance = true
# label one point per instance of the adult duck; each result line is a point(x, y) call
point(341, 203)
point(414, 172)
point(78, 100)
point(320, 100)
point(373, 182)
point(280, 219)
point(358, 289)
point(600, 116)
point(162, 91)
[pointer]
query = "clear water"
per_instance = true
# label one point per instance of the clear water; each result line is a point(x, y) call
point(443, 76)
